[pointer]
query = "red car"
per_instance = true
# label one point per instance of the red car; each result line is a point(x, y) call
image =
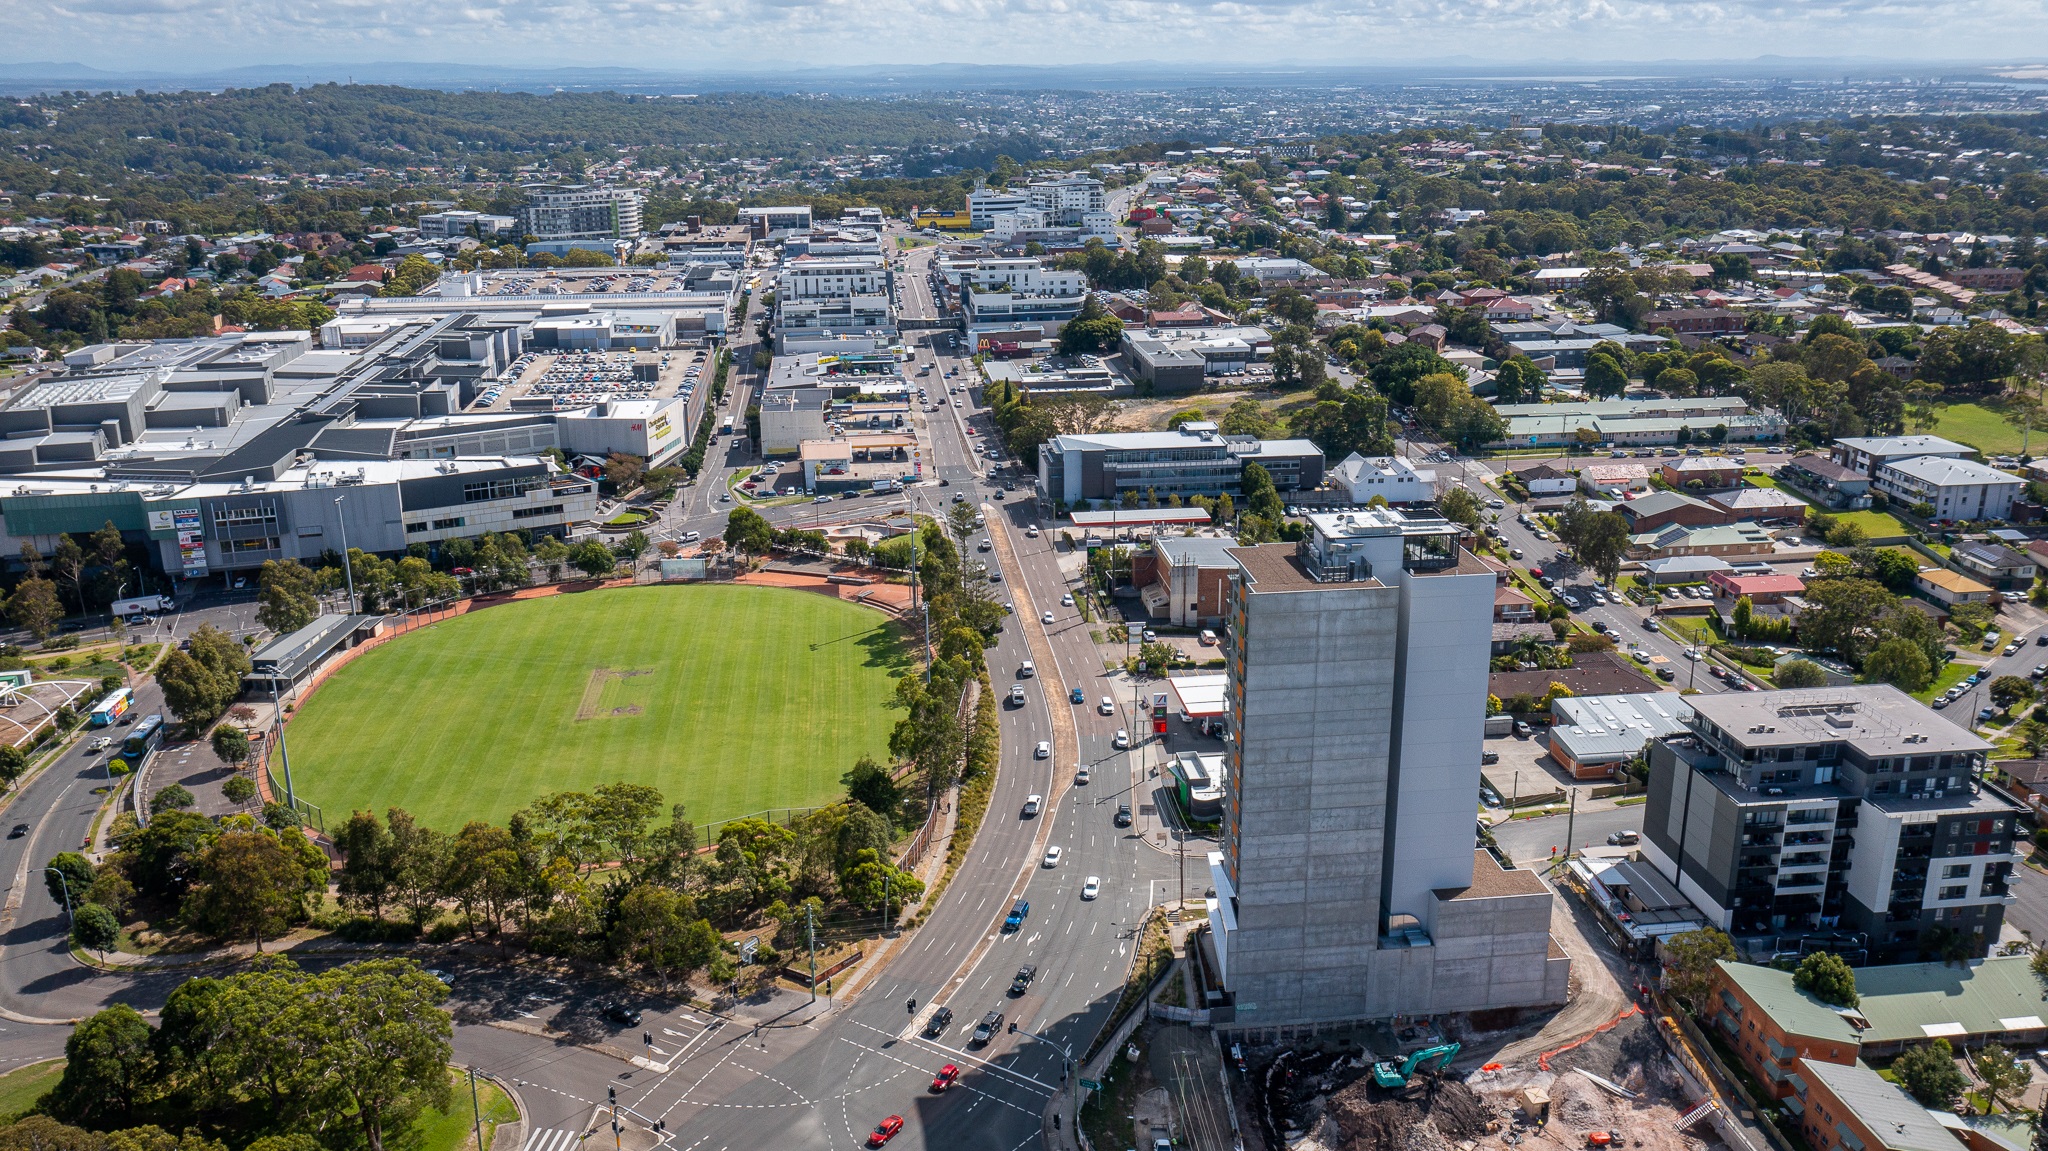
point(1537, 572)
point(885, 1130)
point(947, 1076)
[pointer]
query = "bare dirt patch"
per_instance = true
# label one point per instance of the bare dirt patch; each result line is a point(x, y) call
point(591, 706)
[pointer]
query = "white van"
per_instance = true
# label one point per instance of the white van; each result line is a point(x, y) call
point(1025, 670)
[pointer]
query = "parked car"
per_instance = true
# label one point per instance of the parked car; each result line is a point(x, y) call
point(1624, 839)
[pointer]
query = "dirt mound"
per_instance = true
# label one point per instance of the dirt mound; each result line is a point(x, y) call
point(1443, 1114)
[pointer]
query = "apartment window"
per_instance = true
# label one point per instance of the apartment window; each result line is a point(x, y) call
point(530, 513)
point(450, 522)
point(1956, 871)
point(418, 527)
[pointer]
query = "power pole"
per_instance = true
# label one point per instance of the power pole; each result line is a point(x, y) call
point(811, 938)
point(1571, 812)
point(476, 1110)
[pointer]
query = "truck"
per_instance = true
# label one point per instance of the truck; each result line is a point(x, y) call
point(881, 486)
point(142, 604)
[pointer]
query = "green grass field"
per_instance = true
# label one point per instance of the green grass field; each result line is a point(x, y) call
point(729, 699)
point(1982, 427)
point(21, 1087)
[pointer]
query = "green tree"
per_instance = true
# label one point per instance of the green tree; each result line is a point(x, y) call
point(593, 559)
point(1899, 662)
point(1827, 978)
point(172, 798)
point(252, 884)
point(76, 876)
point(199, 684)
point(2008, 690)
point(747, 532)
point(2003, 1075)
point(1689, 963)
point(95, 927)
point(419, 858)
point(1605, 378)
point(366, 849)
point(1929, 1073)
point(870, 785)
point(1801, 673)
point(35, 608)
point(1261, 498)
point(1460, 506)
point(382, 1044)
point(288, 596)
point(1518, 381)
point(231, 744)
point(108, 1069)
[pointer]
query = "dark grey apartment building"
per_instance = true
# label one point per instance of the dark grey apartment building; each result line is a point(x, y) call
point(1849, 817)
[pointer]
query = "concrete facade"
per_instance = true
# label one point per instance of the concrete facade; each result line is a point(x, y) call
point(1348, 888)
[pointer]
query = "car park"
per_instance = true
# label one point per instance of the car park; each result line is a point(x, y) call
point(622, 1014)
point(1031, 805)
point(1208, 638)
point(1092, 888)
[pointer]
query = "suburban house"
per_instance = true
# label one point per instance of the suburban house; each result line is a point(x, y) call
point(2000, 566)
point(1956, 489)
point(1761, 589)
point(1717, 540)
point(1836, 485)
point(1546, 479)
point(1613, 479)
point(1661, 509)
point(2026, 780)
point(1867, 454)
point(1592, 736)
point(1711, 473)
point(1389, 477)
point(1950, 587)
point(1760, 504)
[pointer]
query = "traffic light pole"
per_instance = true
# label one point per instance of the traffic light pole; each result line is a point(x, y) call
point(1067, 1072)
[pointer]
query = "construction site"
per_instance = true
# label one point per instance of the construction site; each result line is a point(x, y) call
point(1622, 1086)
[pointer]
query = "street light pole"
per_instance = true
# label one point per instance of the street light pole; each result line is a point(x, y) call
point(348, 567)
point(66, 885)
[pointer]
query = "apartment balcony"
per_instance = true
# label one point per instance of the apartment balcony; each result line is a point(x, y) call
point(1805, 838)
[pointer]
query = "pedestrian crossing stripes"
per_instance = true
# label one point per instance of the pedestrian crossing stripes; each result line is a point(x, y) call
point(547, 1140)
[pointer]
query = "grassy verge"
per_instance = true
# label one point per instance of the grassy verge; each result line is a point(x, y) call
point(456, 1128)
point(1155, 952)
point(1980, 425)
point(23, 1086)
point(1954, 673)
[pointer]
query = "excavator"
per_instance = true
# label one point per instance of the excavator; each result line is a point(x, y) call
point(1394, 1076)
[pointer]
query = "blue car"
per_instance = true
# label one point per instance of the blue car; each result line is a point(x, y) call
point(1017, 915)
point(1077, 696)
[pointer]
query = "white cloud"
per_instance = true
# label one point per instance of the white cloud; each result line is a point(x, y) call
point(729, 35)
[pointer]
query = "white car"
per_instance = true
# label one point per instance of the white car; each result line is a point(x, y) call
point(1092, 888)
point(1108, 706)
point(1042, 751)
point(1046, 618)
point(1031, 803)
point(1066, 601)
point(1081, 777)
point(1031, 533)
point(102, 743)
point(1052, 856)
point(1121, 740)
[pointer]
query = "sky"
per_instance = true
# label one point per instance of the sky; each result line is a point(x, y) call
point(747, 35)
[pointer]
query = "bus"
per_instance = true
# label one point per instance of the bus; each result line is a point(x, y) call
point(725, 426)
point(142, 739)
point(110, 710)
